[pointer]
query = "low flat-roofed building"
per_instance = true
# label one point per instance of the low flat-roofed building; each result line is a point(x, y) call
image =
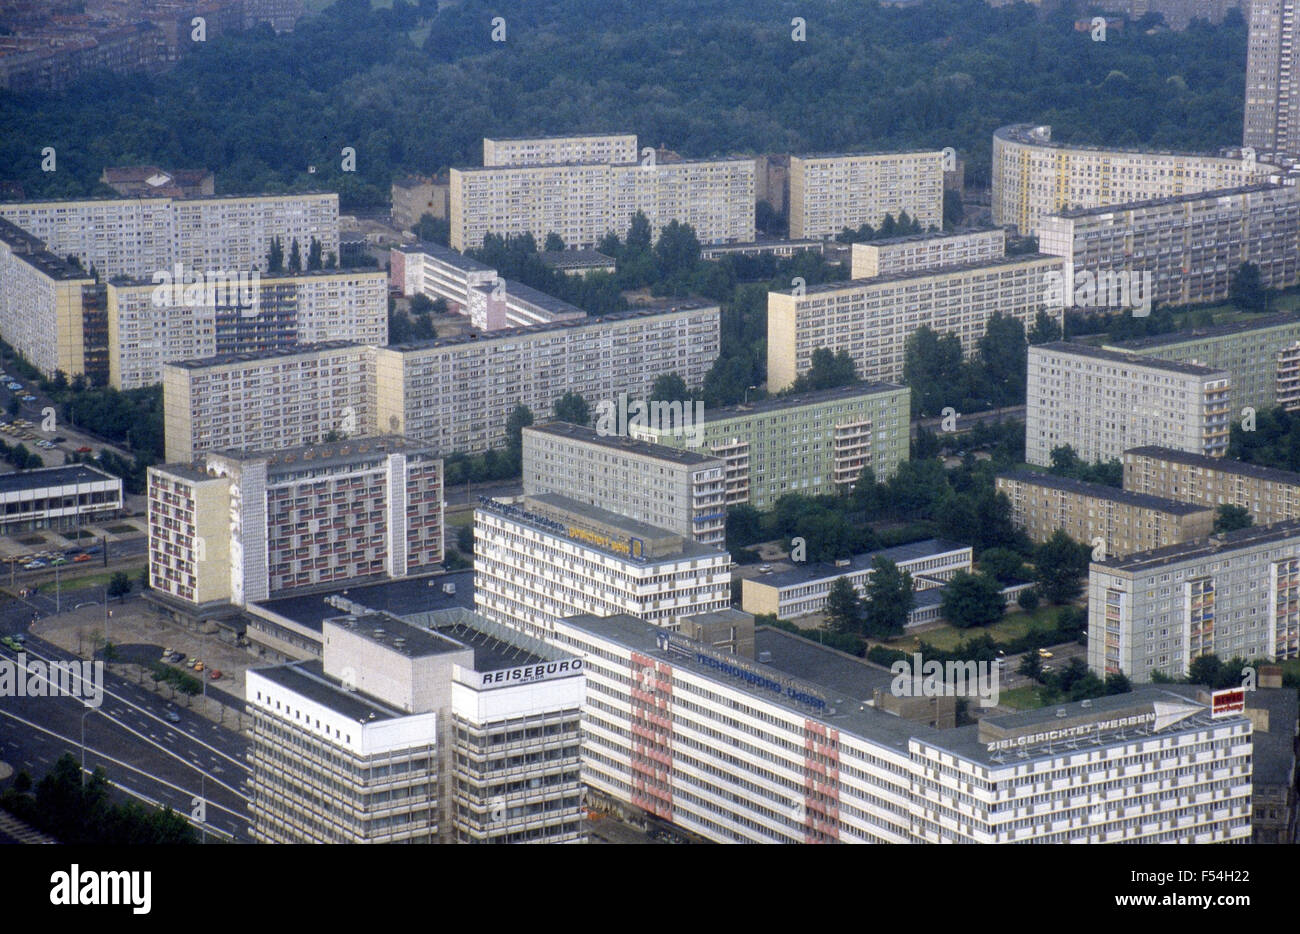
point(440, 728)
point(896, 255)
point(577, 262)
point(1120, 521)
point(551, 557)
point(1268, 494)
point(803, 590)
point(675, 488)
point(57, 498)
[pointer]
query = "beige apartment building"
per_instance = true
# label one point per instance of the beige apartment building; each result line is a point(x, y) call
point(189, 535)
point(1271, 122)
point(598, 149)
point(1190, 245)
point(150, 325)
point(673, 488)
point(268, 400)
point(1268, 494)
point(41, 304)
point(454, 393)
point(1034, 176)
point(1101, 403)
point(926, 251)
point(1110, 521)
point(581, 202)
point(871, 319)
point(138, 237)
point(814, 443)
point(414, 196)
point(829, 193)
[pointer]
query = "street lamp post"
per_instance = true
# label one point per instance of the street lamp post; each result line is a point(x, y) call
point(89, 711)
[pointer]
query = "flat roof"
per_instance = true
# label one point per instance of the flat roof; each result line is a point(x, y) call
point(850, 155)
point(1102, 491)
point(329, 453)
point(534, 166)
point(492, 651)
point(1023, 133)
point(398, 597)
point(1217, 464)
point(32, 251)
point(826, 570)
point(447, 255)
point(534, 139)
point(992, 262)
point(475, 335)
point(556, 306)
point(1274, 753)
point(795, 400)
point(251, 356)
point(397, 635)
point(45, 477)
point(1172, 199)
point(309, 679)
point(564, 259)
point(936, 235)
point(135, 199)
point(1156, 558)
point(624, 444)
point(1219, 330)
point(1074, 348)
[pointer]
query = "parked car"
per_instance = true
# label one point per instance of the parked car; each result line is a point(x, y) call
point(173, 716)
point(178, 657)
point(83, 450)
point(1043, 653)
point(29, 398)
point(34, 565)
point(215, 674)
point(198, 666)
point(59, 439)
point(58, 561)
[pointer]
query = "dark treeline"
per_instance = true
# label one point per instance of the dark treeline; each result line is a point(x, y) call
point(704, 77)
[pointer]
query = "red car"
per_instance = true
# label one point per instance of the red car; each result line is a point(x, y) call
point(82, 557)
point(214, 674)
point(83, 450)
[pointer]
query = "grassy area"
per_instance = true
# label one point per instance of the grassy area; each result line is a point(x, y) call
point(1026, 698)
point(1012, 627)
point(87, 581)
point(459, 519)
point(1291, 667)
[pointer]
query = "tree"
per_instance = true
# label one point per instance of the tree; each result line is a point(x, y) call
point(519, 419)
point(1028, 599)
point(1247, 290)
point(678, 250)
point(1031, 665)
point(119, 585)
point(13, 406)
point(275, 256)
point(1045, 330)
point(1003, 564)
point(669, 387)
point(932, 367)
point(638, 234)
point(465, 539)
point(1059, 566)
point(972, 600)
point(572, 408)
point(1117, 683)
point(843, 610)
point(1004, 356)
point(314, 260)
point(953, 210)
point(829, 370)
point(554, 243)
point(421, 304)
point(889, 599)
point(1230, 518)
point(295, 256)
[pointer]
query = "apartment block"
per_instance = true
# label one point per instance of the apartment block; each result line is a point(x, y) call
point(680, 490)
point(1271, 122)
point(898, 255)
point(1120, 522)
point(511, 304)
point(829, 193)
point(1252, 351)
point(803, 590)
point(582, 202)
point(1190, 245)
point(1269, 495)
point(41, 303)
point(268, 400)
point(1101, 403)
point(606, 149)
point(150, 325)
point(800, 746)
point(871, 319)
point(550, 557)
point(451, 729)
point(813, 443)
point(1033, 176)
point(436, 272)
point(1236, 594)
point(414, 196)
point(285, 520)
point(457, 393)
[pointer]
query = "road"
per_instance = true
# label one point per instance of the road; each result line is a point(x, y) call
point(967, 422)
point(145, 755)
